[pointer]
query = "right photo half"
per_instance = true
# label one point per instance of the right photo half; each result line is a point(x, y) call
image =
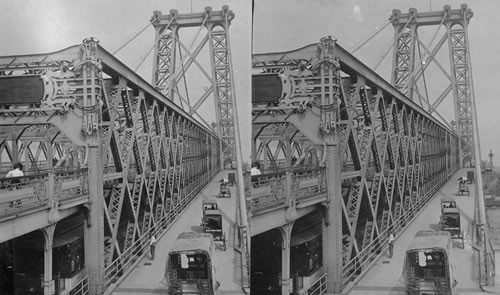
point(367, 176)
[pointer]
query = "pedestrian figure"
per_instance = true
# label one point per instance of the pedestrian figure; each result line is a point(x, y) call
point(255, 169)
point(152, 246)
point(16, 172)
point(391, 244)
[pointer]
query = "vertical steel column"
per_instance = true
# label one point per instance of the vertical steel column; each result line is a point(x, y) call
point(95, 224)
point(164, 54)
point(333, 239)
point(218, 33)
point(48, 283)
point(461, 88)
point(286, 282)
point(90, 70)
point(404, 52)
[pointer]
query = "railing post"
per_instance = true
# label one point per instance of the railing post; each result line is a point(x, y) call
point(52, 200)
point(291, 212)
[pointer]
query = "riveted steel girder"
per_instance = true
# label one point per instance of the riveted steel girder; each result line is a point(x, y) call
point(146, 157)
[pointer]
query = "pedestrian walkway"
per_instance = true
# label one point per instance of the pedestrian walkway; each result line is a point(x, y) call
point(148, 276)
point(385, 276)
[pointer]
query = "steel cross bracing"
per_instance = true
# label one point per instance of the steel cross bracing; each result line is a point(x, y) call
point(408, 70)
point(171, 64)
point(97, 115)
point(394, 155)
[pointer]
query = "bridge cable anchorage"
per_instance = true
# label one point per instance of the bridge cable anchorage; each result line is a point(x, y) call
point(370, 38)
point(131, 39)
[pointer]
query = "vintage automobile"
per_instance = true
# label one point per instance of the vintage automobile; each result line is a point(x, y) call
point(191, 265)
point(463, 188)
point(224, 191)
point(448, 202)
point(211, 221)
point(450, 222)
point(429, 265)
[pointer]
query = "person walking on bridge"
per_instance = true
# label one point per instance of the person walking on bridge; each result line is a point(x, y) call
point(391, 244)
point(152, 245)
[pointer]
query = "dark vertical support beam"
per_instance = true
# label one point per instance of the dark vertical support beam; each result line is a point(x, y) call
point(95, 229)
point(333, 241)
point(48, 283)
point(286, 281)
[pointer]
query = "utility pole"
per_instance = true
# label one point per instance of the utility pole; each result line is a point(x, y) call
point(490, 155)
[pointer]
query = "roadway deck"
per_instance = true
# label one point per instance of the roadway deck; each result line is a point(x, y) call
point(148, 276)
point(385, 276)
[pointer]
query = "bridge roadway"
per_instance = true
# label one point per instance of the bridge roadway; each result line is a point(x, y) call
point(385, 275)
point(148, 276)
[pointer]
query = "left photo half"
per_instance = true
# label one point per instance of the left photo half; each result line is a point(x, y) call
point(124, 147)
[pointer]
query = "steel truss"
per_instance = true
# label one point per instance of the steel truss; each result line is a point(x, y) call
point(171, 65)
point(99, 115)
point(394, 155)
point(408, 69)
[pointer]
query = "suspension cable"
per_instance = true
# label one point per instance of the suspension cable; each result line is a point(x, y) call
point(392, 46)
point(144, 58)
point(423, 78)
point(184, 78)
point(428, 46)
point(131, 39)
point(383, 57)
point(188, 50)
point(371, 37)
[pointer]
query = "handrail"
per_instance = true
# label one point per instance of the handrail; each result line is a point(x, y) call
point(33, 191)
point(80, 288)
point(355, 267)
point(120, 267)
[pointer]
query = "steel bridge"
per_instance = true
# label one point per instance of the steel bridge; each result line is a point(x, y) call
point(100, 143)
point(348, 153)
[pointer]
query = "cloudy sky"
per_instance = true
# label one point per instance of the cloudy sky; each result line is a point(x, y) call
point(282, 25)
point(41, 26)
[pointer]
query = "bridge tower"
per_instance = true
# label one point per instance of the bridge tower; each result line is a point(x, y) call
point(408, 68)
point(172, 59)
point(408, 73)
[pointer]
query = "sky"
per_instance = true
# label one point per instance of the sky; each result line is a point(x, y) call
point(282, 25)
point(43, 26)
